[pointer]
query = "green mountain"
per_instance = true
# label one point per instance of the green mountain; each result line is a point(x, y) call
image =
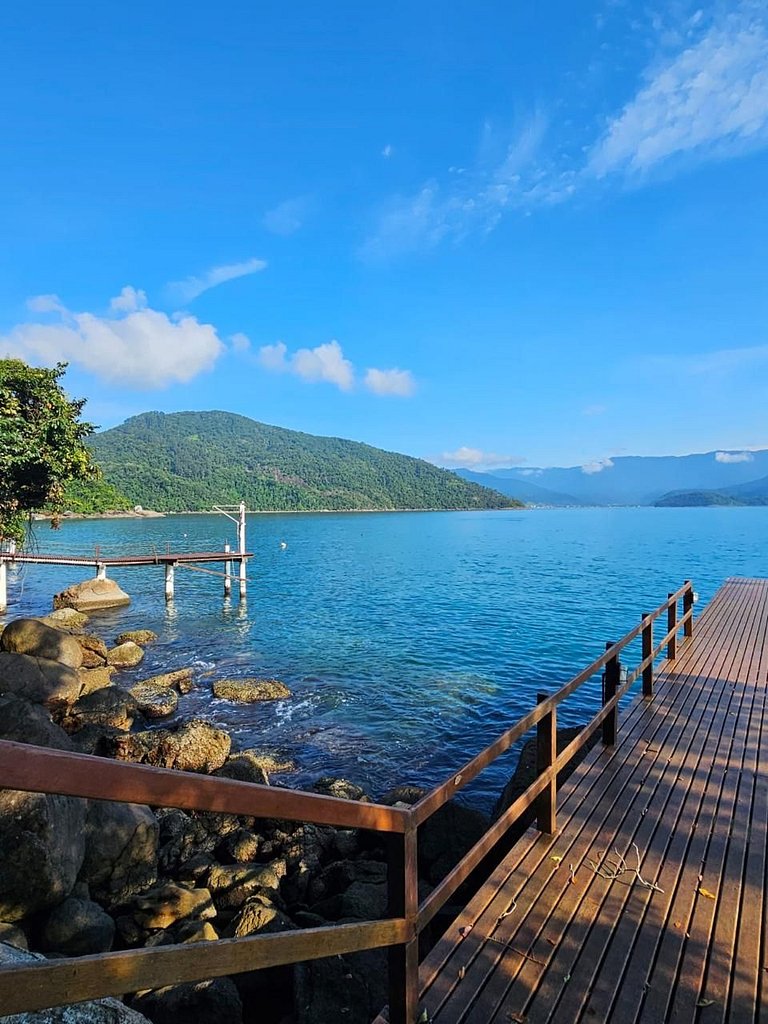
point(194, 460)
point(692, 499)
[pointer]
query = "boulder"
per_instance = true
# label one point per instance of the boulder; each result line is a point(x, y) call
point(167, 904)
point(249, 691)
point(95, 1011)
point(39, 680)
point(243, 768)
point(153, 700)
point(341, 988)
point(366, 878)
point(242, 846)
point(137, 636)
point(77, 927)
point(110, 707)
point(30, 723)
point(195, 746)
point(214, 1002)
point(10, 935)
point(121, 851)
point(265, 760)
point(180, 679)
point(66, 618)
point(93, 679)
point(259, 915)
point(189, 838)
point(30, 636)
point(92, 595)
point(125, 655)
point(340, 788)
point(230, 885)
point(42, 845)
point(94, 650)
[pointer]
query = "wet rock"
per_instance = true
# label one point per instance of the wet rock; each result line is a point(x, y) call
point(155, 701)
point(340, 788)
point(168, 904)
point(39, 680)
point(137, 636)
point(266, 760)
point(259, 915)
point(30, 636)
point(232, 884)
point(195, 746)
point(77, 927)
point(110, 707)
point(42, 845)
point(249, 691)
point(23, 722)
point(125, 655)
point(180, 679)
point(214, 1002)
point(92, 595)
point(121, 851)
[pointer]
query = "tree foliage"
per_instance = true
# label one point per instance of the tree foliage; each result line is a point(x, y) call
point(42, 444)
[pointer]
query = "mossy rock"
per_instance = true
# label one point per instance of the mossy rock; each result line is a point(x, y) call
point(137, 636)
point(250, 691)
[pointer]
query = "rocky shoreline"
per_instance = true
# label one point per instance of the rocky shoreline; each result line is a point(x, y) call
point(85, 876)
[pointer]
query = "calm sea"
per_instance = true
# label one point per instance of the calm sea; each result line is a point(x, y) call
point(409, 640)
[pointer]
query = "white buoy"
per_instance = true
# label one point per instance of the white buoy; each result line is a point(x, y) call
point(283, 545)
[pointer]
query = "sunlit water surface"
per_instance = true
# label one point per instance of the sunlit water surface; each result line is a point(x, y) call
point(408, 640)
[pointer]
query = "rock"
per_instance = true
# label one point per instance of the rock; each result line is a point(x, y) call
point(138, 636)
point(268, 762)
point(364, 879)
point(77, 927)
point(230, 885)
point(10, 935)
point(30, 636)
point(187, 840)
point(166, 904)
point(126, 655)
point(250, 690)
point(259, 915)
point(349, 988)
point(242, 846)
point(110, 707)
point(340, 788)
point(66, 618)
point(39, 680)
point(196, 931)
point(95, 1011)
point(121, 851)
point(93, 679)
point(195, 746)
point(94, 739)
point(42, 845)
point(243, 768)
point(23, 722)
point(94, 650)
point(180, 679)
point(154, 701)
point(213, 1002)
point(92, 595)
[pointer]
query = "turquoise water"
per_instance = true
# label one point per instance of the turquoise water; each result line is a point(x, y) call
point(409, 640)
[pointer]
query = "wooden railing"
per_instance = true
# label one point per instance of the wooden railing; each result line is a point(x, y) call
point(37, 769)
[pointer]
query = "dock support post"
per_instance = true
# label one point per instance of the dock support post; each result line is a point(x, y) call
point(403, 901)
point(3, 586)
point(241, 544)
point(546, 755)
point(688, 607)
point(101, 571)
point(227, 574)
point(647, 651)
point(611, 678)
point(169, 574)
point(671, 629)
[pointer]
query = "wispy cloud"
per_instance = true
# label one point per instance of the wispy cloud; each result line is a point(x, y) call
point(596, 466)
point(328, 363)
point(287, 217)
point(390, 382)
point(191, 287)
point(387, 151)
point(594, 410)
point(730, 457)
point(132, 345)
point(474, 458)
point(718, 364)
point(708, 101)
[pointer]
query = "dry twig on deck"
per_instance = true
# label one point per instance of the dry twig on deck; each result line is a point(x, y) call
point(612, 870)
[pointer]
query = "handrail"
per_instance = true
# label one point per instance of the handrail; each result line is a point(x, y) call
point(39, 769)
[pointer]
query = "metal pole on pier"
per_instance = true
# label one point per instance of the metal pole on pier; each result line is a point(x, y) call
point(241, 542)
point(227, 573)
point(169, 574)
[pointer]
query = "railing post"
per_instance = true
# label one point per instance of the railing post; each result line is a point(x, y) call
point(611, 678)
point(671, 629)
point(647, 651)
point(688, 607)
point(546, 755)
point(403, 893)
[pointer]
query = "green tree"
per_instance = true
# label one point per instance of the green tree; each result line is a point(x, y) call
point(42, 444)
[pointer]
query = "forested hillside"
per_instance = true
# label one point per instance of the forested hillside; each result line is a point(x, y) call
point(193, 460)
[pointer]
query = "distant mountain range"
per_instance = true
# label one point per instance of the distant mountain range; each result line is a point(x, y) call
point(711, 478)
point(190, 461)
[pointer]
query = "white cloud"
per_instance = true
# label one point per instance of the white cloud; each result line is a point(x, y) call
point(597, 466)
point(323, 363)
point(133, 346)
point(387, 151)
point(729, 457)
point(716, 364)
point(390, 382)
point(191, 287)
point(240, 342)
point(45, 304)
point(287, 217)
point(475, 458)
point(710, 101)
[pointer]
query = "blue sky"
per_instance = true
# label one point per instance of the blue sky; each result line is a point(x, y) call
point(484, 234)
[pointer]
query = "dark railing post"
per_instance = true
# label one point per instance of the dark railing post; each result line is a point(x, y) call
point(611, 677)
point(671, 629)
point(546, 755)
point(688, 607)
point(403, 893)
point(647, 651)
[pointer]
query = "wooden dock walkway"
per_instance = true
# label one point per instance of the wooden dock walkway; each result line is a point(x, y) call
point(566, 929)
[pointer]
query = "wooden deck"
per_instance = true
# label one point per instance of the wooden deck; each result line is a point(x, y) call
point(684, 795)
